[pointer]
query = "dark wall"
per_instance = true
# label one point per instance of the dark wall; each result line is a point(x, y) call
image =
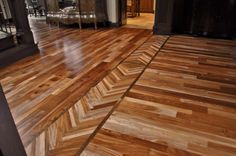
point(214, 18)
point(1, 153)
point(163, 17)
point(65, 3)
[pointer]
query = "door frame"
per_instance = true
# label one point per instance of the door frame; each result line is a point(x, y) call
point(122, 4)
point(163, 16)
point(122, 12)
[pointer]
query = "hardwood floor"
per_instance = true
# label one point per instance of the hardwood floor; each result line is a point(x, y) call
point(41, 88)
point(68, 134)
point(144, 21)
point(183, 104)
point(124, 92)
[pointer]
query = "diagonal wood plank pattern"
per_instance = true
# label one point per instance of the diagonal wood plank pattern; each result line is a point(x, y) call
point(183, 104)
point(68, 133)
point(42, 87)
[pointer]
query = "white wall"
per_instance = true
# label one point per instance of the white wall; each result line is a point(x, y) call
point(154, 5)
point(112, 9)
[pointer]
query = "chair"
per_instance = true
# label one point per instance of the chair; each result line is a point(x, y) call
point(71, 15)
point(41, 4)
point(88, 11)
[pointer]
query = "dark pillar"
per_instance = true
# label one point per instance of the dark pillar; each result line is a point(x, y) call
point(164, 17)
point(10, 142)
point(122, 13)
point(26, 45)
point(18, 9)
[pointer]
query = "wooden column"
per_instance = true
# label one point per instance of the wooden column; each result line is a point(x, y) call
point(10, 142)
point(164, 17)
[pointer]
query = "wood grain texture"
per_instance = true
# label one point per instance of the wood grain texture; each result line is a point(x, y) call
point(144, 21)
point(71, 131)
point(60, 97)
point(41, 88)
point(183, 104)
point(147, 6)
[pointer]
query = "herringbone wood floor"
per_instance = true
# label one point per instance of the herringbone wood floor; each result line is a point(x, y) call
point(178, 99)
point(183, 104)
point(42, 87)
point(70, 132)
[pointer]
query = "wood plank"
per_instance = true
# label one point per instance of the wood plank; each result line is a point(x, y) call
point(59, 97)
point(183, 104)
point(71, 131)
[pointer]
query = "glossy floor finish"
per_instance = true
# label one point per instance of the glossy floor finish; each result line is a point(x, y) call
point(144, 21)
point(183, 104)
point(41, 88)
point(70, 132)
point(124, 92)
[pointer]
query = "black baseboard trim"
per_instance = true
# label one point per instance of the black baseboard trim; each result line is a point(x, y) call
point(88, 25)
point(16, 53)
point(155, 32)
point(7, 42)
point(114, 25)
point(162, 30)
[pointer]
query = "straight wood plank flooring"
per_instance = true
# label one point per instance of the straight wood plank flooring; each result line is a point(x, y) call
point(184, 104)
point(70, 132)
point(41, 88)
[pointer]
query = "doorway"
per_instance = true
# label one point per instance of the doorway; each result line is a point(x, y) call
point(140, 14)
